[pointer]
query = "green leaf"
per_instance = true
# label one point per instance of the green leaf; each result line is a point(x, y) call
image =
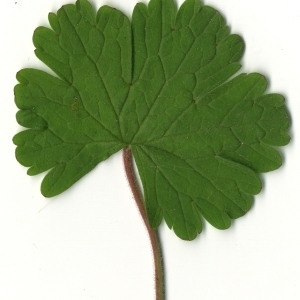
point(162, 85)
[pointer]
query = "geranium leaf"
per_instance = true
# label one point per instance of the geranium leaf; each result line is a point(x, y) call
point(162, 85)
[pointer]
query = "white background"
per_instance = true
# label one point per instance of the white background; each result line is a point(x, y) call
point(90, 243)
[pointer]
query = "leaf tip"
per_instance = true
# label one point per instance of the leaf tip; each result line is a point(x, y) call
point(20, 77)
point(45, 191)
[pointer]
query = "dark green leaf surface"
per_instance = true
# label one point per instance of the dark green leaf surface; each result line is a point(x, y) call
point(163, 85)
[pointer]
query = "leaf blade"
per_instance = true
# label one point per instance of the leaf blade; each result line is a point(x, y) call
point(163, 85)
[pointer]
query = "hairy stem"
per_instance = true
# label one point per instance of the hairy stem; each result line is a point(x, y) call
point(153, 234)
